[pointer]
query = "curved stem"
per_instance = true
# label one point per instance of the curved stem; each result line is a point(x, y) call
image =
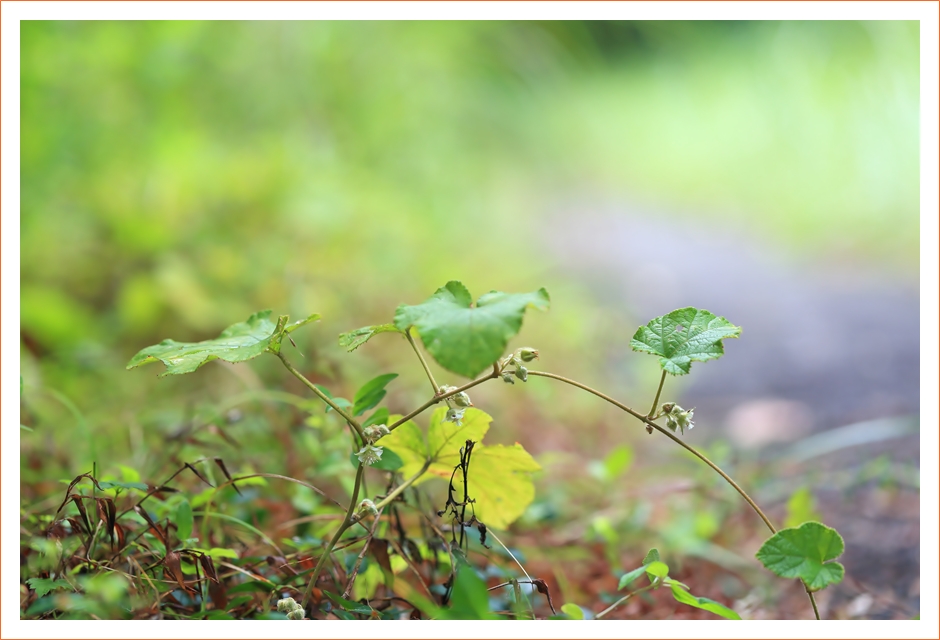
point(347, 521)
point(687, 447)
point(297, 374)
point(624, 599)
point(424, 363)
point(438, 398)
point(658, 391)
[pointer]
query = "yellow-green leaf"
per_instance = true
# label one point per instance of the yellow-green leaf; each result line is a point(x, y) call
point(500, 476)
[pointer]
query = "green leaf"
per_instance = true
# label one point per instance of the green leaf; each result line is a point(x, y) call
point(184, 520)
point(618, 461)
point(630, 576)
point(371, 393)
point(682, 336)
point(342, 403)
point(801, 508)
point(469, 599)
point(349, 605)
point(499, 478)
point(683, 596)
point(379, 417)
point(573, 611)
point(358, 337)
point(657, 569)
point(805, 552)
point(464, 338)
point(651, 556)
point(390, 460)
point(42, 586)
point(239, 342)
point(110, 484)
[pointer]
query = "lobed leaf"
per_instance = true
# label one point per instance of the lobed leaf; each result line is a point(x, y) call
point(42, 586)
point(805, 552)
point(684, 336)
point(499, 476)
point(464, 338)
point(239, 342)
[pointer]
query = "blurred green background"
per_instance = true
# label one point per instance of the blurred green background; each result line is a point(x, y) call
point(178, 176)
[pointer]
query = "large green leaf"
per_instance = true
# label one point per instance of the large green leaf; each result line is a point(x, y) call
point(239, 342)
point(805, 552)
point(466, 338)
point(499, 476)
point(682, 336)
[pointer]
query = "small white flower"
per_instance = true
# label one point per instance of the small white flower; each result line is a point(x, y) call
point(369, 455)
point(455, 416)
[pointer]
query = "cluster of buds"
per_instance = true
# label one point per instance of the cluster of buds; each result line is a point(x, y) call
point(456, 404)
point(518, 360)
point(677, 417)
point(374, 432)
point(293, 610)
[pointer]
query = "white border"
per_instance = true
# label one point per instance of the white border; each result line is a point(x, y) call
point(12, 13)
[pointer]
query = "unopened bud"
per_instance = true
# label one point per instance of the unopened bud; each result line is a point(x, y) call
point(522, 373)
point(527, 354)
point(287, 604)
point(374, 432)
point(296, 614)
point(507, 377)
point(367, 506)
point(461, 399)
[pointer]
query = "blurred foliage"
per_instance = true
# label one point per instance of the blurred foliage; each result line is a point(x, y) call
point(176, 176)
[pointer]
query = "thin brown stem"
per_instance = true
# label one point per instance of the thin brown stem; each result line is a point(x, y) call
point(443, 396)
point(347, 521)
point(624, 599)
point(658, 392)
point(362, 553)
point(424, 363)
point(297, 374)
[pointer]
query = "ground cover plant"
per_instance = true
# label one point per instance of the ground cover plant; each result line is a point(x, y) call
point(388, 548)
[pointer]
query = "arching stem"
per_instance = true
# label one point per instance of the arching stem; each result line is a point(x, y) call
point(677, 440)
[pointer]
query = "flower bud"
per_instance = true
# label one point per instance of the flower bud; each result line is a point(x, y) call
point(287, 604)
point(367, 506)
point(461, 399)
point(374, 432)
point(296, 614)
point(527, 354)
point(507, 377)
point(522, 373)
